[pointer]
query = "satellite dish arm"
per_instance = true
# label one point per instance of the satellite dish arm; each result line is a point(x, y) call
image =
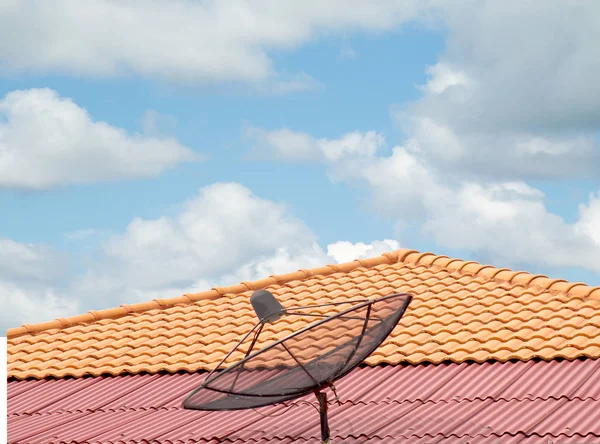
point(247, 353)
point(259, 323)
point(362, 334)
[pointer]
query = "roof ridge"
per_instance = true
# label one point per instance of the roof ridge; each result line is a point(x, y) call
point(498, 274)
point(473, 268)
point(188, 298)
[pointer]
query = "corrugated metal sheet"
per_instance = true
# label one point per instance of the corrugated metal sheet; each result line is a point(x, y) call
point(550, 402)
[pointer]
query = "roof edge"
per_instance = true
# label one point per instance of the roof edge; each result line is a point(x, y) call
point(473, 268)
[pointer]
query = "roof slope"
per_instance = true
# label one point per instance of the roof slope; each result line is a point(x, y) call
point(491, 402)
point(461, 311)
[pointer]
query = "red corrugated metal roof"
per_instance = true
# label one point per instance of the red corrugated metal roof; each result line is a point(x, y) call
point(556, 401)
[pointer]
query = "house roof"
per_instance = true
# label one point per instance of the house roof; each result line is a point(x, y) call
point(461, 311)
point(523, 401)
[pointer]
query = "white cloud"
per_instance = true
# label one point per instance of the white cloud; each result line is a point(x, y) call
point(283, 145)
point(438, 141)
point(512, 98)
point(505, 221)
point(589, 219)
point(442, 77)
point(223, 226)
point(344, 251)
point(399, 183)
point(498, 155)
point(344, 155)
point(48, 141)
point(532, 65)
point(511, 73)
point(38, 304)
point(222, 236)
point(280, 260)
point(288, 145)
point(184, 41)
point(353, 156)
point(29, 284)
point(533, 146)
point(509, 223)
point(351, 145)
point(515, 92)
point(29, 262)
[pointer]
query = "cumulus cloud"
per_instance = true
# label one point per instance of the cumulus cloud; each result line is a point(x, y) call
point(442, 77)
point(402, 177)
point(293, 146)
point(180, 40)
point(282, 144)
point(503, 155)
point(30, 277)
point(223, 235)
point(223, 226)
point(29, 306)
point(344, 251)
point(514, 95)
point(344, 155)
point(279, 261)
point(533, 66)
point(504, 221)
point(589, 219)
point(48, 141)
point(512, 98)
point(29, 262)
point(513, 84)
point(509, 223)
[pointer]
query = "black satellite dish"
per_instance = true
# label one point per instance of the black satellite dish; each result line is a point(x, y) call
point(304, 361)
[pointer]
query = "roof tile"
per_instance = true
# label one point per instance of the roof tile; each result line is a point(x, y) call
point(461, 311)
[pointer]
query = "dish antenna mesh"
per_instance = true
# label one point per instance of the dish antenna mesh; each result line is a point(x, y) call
point(307, 360)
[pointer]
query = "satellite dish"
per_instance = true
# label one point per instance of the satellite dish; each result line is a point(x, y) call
point(307, 360)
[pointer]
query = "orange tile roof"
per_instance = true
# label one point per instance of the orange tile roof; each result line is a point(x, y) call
point(461, 311)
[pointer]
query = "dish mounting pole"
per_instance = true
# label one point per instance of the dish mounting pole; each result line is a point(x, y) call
point(322, 398)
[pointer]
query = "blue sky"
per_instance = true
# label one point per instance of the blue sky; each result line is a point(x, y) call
point(141, 158)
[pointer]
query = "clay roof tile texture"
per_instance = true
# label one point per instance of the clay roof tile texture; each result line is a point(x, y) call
point(461, 311)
